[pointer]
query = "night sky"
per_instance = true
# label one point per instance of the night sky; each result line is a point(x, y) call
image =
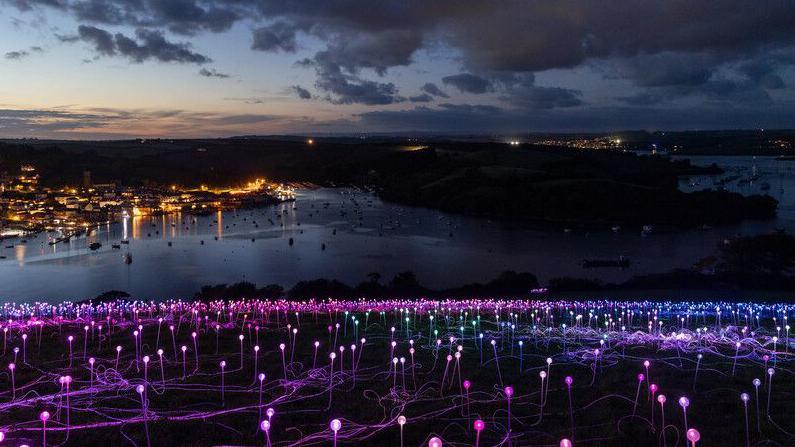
point(196, 68)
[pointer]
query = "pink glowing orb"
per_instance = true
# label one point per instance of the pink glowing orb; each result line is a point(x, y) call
point(92, 360)
point(265, 425)
point(509, 391)
point(641, 377)
point(335, 425)
point(270, 412)
point(401, 420)
point(281, 346)
point(744, 397)
point(661, 398)
point(467, 384)
point(653, 388)
point(565, 443)
point(684, 402)
point(139, 389)
point(479, 425)
point(11, 366)
point(646, 363)
point(2, 436)
point(693, 435)
point(261, 377)
point(757, 382)
point(569, 380)
point(44, 415)
point(435, 442)
point(223, 364)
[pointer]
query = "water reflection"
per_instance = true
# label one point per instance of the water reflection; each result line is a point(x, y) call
point(361, 234)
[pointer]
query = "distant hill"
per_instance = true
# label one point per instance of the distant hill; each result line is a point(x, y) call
point(558, 185)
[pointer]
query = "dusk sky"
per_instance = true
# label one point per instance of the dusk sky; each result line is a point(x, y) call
point(197, 68)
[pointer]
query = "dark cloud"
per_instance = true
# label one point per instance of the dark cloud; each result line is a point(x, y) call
point(534, 97)
point(764, 69)
point(22, 54)
point(102, 40)
point(153, 45)
point(17, 55)
point(279, 36)
point(347, 88)
point(515, 35)
point(212, 73)
point(641, 99)
point(149, 45)
point(378, 51)
point(432, 89)
point(471, 119)
point(23, 121)
point(424, 97)
point(120, 123)
point(668, 69)
point(468, 83)
point(663, 51)
point(301, 92)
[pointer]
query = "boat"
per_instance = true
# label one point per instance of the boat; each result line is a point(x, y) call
point(621, 262)
point(616, 229)
point(646, 230)
point(128, 258)
point(785, 157)
point(125, 241)
point(95, 246)
point(116, 246)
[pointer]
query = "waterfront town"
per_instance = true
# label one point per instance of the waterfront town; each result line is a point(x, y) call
point(27, 207)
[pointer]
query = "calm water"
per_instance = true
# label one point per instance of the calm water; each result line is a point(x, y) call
point(371, 236)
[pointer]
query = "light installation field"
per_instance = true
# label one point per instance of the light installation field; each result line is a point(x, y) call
point(397, 373)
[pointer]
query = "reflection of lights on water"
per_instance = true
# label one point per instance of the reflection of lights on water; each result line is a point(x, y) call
point(19, 253)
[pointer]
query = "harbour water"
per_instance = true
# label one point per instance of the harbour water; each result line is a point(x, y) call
point(174, 255)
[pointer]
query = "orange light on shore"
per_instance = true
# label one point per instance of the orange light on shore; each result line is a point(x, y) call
point(310, 141)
